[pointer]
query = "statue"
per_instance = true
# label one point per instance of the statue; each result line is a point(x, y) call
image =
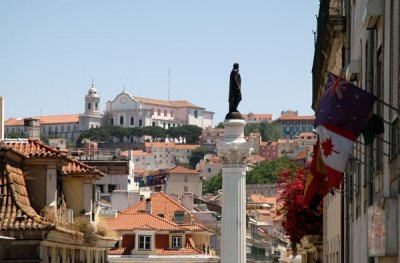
point(235, 94)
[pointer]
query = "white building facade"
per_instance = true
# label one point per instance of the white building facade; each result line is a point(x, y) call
point(131, 111)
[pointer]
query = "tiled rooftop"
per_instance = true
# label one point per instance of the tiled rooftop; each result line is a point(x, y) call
point(53, 119)
point(16, 212)
point(168, 103)
point(170, 145)
point(33, 149)
point(36, 149)
point(161, 204)
point(182, 170)
point(140, 221)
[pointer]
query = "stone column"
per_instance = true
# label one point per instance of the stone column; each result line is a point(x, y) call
point(234, 152)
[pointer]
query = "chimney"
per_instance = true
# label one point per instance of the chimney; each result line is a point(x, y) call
point(187, 201)
point(1, 118)
point(33, 126)
point(148, 205)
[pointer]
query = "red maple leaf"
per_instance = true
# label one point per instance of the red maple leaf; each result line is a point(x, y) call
point(327, 147)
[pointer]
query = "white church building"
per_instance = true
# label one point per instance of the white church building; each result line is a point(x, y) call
point(131, 111)
point(125, 110)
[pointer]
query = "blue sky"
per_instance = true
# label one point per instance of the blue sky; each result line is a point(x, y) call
point(51, 50)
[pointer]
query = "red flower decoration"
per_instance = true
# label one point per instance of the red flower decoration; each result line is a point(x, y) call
point(298, 220)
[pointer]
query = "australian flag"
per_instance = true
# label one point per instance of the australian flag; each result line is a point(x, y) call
point(344, 105)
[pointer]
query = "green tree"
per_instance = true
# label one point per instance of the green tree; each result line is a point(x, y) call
point(213, 184)
point(268, 131)
point(155, 132)
point(197, 155)
point(266, 171)
point(16, 135)
point(190, 133)
point(220, 125)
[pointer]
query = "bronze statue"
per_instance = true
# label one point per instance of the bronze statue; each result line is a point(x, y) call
point(235, 94)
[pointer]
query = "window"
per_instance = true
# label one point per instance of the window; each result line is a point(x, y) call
point(186, 177)
point(165, 113)
point(112, 121)
point(132, 121)
point(209, 170)
point(144, 243)
point(158, 112)
point(111, 187)
point(176, 242)
point(100, 187)
point(88, 106)
point(172, 114)
point(185, 189)
point(121, 120)
point(95, 105)
point(196, 114)
point(140, 123)
point(153, 124)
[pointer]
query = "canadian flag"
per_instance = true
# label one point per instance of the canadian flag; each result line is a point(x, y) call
point(335, 147)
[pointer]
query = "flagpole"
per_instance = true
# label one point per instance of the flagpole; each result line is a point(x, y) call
point(375, 149)
point(387, 105)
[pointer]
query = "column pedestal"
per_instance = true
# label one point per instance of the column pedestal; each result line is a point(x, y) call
point(234, 152)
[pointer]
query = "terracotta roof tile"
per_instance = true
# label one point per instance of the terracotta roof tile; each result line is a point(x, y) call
point(181, 251)
point(170, 145)
point(120, 251)
point(258, 116)
point(16, 212)
point(302, 155)
point(140, 221)
point(186, 146)
point(161, 204)
point(78, 168)
point(196, 227)
point(52, 119)
point(33, 149)
point(181, 170)
point(170, 103)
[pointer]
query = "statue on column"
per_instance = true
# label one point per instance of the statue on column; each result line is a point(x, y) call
point(235, 94)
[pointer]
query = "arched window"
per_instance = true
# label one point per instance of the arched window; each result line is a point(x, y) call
point(88, 106)
point(121, 120)
point(132, 121)
point(140, 123)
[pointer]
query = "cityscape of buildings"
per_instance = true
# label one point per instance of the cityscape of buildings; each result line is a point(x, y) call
point(74, 199)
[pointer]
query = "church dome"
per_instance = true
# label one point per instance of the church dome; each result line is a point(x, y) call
point(92, 91)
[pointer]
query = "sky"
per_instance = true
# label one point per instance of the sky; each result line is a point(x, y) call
point(51, 51)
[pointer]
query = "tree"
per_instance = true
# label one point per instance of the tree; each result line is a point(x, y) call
point(190, 133)
point(220, 125)
point(268, 131)
point(155, 132)
point(197, 155)
point(16, 135)
point(213, 184)
point(266, 171)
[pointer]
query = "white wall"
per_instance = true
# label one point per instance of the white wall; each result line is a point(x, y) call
point(121, 199)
